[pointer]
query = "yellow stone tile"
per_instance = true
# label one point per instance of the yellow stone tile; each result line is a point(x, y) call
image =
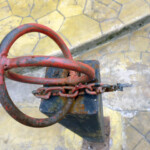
point(132, 57)
point(123, 1)
point(116, 128)
point(139, 44)
point(80, 29)
point(4, 10)
point(132, 137)
point(146, 58)
point(47, 46)
point(41, 8)
point(21, 8)
point(27, 20)
point(134, 11)
point(1, 1)
point(99, 11)
point(8, 24)
point(115, 5)
point(111, 25)
point(16, 136)
point(69, 8)
point(143, 32)
point(81, 3)
point(54, 20)
point(25, 44)
point(143, 145)
point(107, 2)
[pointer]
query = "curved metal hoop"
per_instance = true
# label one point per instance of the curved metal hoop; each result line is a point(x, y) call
point(6, 64)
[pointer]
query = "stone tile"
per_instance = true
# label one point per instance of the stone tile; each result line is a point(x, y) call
point(134, 10)
point(110, 25)
point(123, 1)
point(77, 33)
point(16, 136)
point(132, 138)
point(143, 145)
point(24, 45)
point(28, 20)
point(136, 44)
point(44, 7)
point(8, 24)
point(47, 46)
point(4, 10)
point(132, 57)
point(99, 11)
point(54, 20)
point(70, 8)
point(148, 136)
point(21, 8)
point(146, 58)
point(141, 122)
point(142, 32)
point(116, 128)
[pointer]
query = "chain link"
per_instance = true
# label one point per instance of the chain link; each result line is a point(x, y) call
point(80, 89)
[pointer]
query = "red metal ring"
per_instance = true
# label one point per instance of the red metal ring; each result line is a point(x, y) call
point(4, 96)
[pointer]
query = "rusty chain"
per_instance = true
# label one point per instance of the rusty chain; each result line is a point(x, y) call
point(80, 89)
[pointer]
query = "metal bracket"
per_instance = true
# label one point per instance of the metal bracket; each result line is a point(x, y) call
point(85, 117)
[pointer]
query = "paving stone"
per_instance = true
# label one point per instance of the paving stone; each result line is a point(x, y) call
point(132, 138)
point(146, 58)
point(129, 12)
point(77, 33)
point(27, 20)
point(123, 1)
point(21, 8)
point(136, 44)
point(4, 10)
point(121, 64)
point(111, 25)
point(44, 7)
point(70, 8)
point(148, 136)
point(54, 21)
point(8, 24)
point(142, 32)
point(143, 145)
point(115, 128)
point(24, 45)
point(47, 46)
point(141, 122)
point(19, 136)
point(99, 11)
point(132, 57)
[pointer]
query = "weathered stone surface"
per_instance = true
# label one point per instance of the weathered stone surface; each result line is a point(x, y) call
point(132, 138)
point(99, 11)
point(141, 122)
point(70, 8)
point(122, 62)
point(21, 8)
point(143, 145)
point(42, 8)
point(47, 46)
point(111, 25)
point(4, 10)
point(75, 29)
point(132, 11)
point(8, 24)
point(28, 20)
point(54, 20)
